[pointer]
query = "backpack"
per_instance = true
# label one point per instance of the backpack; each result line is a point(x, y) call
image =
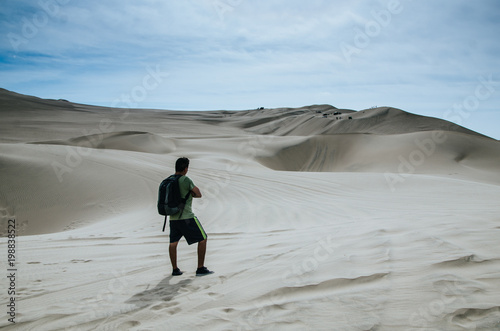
point(170, 201)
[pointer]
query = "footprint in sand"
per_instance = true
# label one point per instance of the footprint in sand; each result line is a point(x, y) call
point(128, 325)
point(80, 261)
point(164, 305)
point(170, 308)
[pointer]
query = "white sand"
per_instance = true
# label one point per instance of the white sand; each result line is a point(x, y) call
point(387, 221)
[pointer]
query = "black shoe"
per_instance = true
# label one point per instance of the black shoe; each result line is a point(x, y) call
point(177, 272)
point(203, 271)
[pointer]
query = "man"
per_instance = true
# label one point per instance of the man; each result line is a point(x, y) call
point(186, 224)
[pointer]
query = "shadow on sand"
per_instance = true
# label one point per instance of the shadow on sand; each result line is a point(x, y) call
point(163, 291)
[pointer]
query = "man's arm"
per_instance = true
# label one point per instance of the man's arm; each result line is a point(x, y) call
point(195, 192)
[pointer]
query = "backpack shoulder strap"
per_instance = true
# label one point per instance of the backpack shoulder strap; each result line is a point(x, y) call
point(187, 196)
point(165, 223)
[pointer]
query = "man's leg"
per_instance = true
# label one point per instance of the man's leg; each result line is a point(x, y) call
point(202, 249)
point(172, 250)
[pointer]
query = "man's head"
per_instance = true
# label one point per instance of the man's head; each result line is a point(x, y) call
point(181, 164)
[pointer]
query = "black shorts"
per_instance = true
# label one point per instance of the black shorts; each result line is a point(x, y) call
point(190, 228)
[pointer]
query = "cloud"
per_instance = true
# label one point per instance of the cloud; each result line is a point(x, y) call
point(235, 53)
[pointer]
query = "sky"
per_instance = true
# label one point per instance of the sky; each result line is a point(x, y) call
point(438, 58)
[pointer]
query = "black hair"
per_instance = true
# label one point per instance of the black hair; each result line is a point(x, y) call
point(181, 164)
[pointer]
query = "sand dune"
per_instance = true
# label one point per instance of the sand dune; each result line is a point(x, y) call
point(128, 141)
point(428, 152)
point(56, 189)
point(309, 121)
point(385, 221)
